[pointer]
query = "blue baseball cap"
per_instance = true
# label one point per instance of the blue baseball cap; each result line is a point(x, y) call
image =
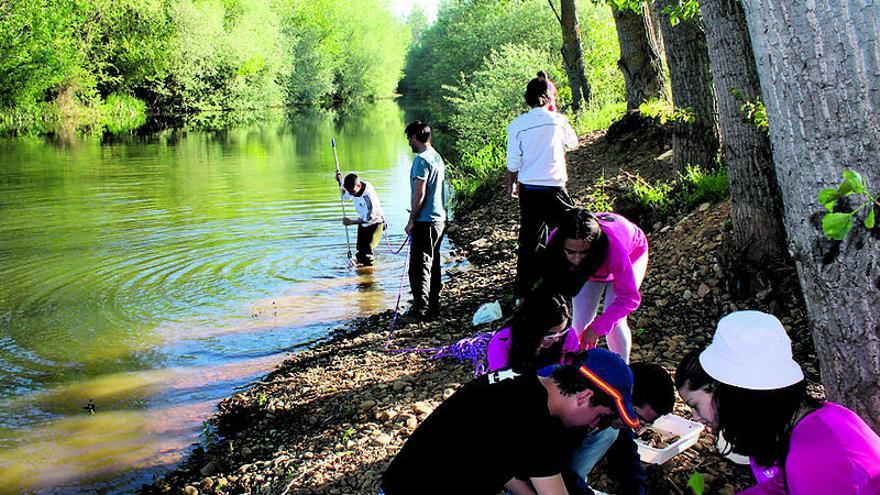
point(610, 373)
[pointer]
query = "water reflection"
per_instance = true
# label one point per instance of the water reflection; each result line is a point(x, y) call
point(153, 273)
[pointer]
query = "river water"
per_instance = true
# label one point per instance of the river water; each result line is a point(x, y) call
point(153, 274)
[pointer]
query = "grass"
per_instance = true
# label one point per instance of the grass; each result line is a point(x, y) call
point(657, 197)
point(700, 186)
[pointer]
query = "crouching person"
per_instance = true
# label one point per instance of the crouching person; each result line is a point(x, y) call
point(370, 219)
point(653, 396)
point(512, 430)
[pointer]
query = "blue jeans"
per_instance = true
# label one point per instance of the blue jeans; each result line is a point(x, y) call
point(592, 450)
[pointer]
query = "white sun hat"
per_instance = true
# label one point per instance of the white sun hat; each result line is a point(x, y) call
point(751, 350)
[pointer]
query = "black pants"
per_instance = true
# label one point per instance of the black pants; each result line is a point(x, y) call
point(424, 265)
point(368, 238)
point(538, 208)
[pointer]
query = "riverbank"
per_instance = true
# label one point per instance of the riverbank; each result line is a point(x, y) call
point(329, 419)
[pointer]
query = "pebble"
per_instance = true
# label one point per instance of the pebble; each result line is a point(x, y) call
point(190, 490)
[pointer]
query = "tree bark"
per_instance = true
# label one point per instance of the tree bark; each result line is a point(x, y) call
point(694, 143)
point(756, 206)
point(639, 60)
point(573, 55)
point(817, 63)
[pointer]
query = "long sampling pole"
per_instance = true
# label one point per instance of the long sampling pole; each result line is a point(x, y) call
point(341, 201)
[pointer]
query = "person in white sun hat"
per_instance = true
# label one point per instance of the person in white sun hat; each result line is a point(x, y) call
point(746, 385)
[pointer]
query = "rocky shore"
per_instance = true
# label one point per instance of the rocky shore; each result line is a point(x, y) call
point(329, 419)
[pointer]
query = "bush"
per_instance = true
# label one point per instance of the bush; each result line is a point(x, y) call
point(700, 186)
point(484, 104)
point(657, 197)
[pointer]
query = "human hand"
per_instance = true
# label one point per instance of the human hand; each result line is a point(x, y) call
point(513, 190)
point(347, 221)
point(339, 178)
point(589, 339)
point(409, 227)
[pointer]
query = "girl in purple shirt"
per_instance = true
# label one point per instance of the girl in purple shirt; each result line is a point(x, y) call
point(591, 254)
point(538, 335)
point(747, 386)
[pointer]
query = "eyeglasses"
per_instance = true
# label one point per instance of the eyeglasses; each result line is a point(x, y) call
point(554, 336)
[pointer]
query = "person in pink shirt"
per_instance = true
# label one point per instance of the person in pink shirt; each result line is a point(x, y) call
point(551, 91)
point(538, 335)
point(747, 386)
point(591, 254)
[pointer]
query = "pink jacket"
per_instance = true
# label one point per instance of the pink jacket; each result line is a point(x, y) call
point(498, 352)
point(626, 244)
point(831, 452)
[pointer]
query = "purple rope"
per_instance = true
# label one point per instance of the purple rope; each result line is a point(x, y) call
point(399, 292)
point(471, 349)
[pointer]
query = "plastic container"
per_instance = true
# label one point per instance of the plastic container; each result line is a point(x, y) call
point(687, 430)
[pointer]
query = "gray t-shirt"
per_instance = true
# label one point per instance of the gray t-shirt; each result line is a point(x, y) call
point(429, 167)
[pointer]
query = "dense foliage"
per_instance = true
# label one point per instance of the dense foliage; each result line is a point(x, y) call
point(81, 60)
point(470, 68)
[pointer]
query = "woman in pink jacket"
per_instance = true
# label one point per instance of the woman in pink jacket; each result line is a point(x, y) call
point(591, 254)
point(746, 385)
point(539, 335)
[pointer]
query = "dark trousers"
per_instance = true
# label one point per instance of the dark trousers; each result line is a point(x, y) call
point(368, 238)
point(424, 265)
point(538, 209)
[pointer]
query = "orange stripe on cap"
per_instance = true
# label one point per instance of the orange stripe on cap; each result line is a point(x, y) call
point(614, 393)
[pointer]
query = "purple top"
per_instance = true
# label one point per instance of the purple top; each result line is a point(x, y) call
point(498, 352)
point(626, 244)
point(832, 451)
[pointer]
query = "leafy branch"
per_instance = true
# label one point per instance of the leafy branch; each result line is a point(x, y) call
point(836, 225)
point(753, 112)
point(681, 10)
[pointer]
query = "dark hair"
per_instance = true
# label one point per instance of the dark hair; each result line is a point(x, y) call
point(652, 386)
point(690, 373)
point(570, 381)
point(758, 423)
point(539, 311)
point(557, 272)
point(421, 130)
point(349, 182)
point(542, 75)
point(537, 93)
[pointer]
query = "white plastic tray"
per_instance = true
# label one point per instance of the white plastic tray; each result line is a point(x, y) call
point(687, 430)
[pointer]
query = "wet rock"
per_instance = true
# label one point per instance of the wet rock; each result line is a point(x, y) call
point(190, 490)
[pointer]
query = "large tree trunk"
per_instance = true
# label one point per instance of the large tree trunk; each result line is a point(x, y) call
point(640, 60)
point(573, 55)
point(693, 143)
point(818, 73)
point(756, 207)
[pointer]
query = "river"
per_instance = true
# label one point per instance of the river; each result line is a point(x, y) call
point(152, 274)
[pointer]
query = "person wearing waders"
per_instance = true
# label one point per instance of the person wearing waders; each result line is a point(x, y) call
point(427, 223)
point(536, 174)
point(370, 220)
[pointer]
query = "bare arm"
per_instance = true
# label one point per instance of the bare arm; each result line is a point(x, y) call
point(518, 487)
point(418, 200)
point(512, 187)
point(551, 485)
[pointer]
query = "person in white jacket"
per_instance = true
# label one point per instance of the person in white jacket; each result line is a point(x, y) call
point(370, 219)
point(536, 174)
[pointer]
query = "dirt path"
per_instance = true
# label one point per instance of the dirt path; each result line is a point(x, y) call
point(328, 420)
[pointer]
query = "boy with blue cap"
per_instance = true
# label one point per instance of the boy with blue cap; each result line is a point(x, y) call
point(510, 430)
